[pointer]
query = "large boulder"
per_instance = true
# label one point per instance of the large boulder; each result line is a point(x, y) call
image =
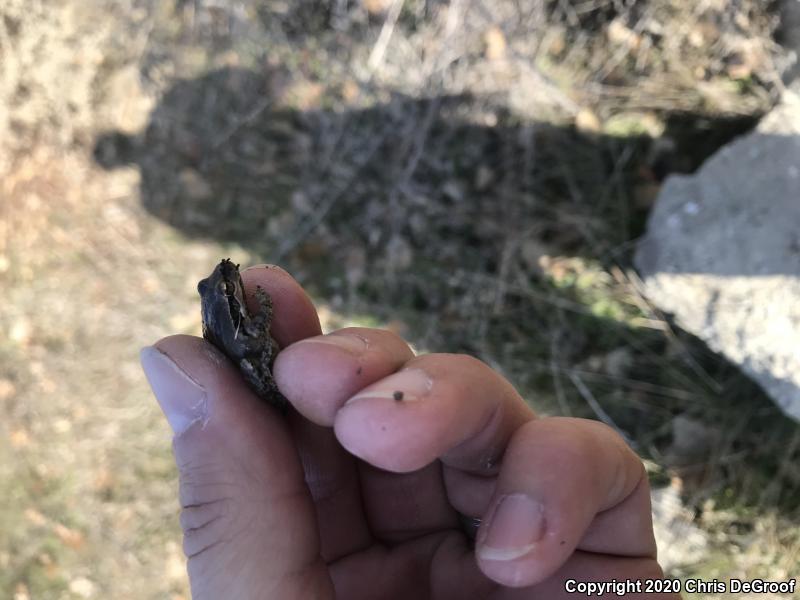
point(722, 253)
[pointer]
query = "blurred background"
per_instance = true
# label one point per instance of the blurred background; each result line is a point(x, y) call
point(473, 175)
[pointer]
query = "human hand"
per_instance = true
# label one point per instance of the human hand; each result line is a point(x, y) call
point(358, 492)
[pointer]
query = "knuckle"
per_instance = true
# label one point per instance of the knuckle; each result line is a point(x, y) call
point(207, 526)
point(197, 516)
point(203, 483)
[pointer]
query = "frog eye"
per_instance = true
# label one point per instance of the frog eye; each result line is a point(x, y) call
point(228, 288)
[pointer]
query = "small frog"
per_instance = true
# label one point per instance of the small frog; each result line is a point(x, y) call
point(243, 337)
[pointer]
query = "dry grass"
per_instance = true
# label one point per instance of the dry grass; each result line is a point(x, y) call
point(472, 176)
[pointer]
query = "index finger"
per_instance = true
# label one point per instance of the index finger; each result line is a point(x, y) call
point(295, 315)
point(450, 407)
point(401, 413)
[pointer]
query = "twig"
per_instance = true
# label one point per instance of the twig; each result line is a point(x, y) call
point(255, 112)
point(773, 488)
point(556, 374)
point(638, 285)
point(598, 410)
point(376, 56)
point(634, 384)
point(307, 226)
point(544, 85)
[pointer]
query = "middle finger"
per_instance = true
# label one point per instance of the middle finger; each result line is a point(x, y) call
point(449, 407)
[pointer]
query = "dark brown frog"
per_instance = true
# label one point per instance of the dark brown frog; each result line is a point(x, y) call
point(244, 337)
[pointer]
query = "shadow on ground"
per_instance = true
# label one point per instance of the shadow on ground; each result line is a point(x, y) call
point(479, 233)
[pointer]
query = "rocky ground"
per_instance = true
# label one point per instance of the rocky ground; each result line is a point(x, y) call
point(473, 176)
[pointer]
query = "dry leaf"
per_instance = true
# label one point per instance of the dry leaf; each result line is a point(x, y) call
point(376, 7)
point(620, 34)
point(20, 332)
point(587, 121)
point(70, 537)
point(19, 438)
point(495, 42)
point(7, 389)
point(350, 91)
point(21, 592)
point(556, 42)
point(82, 587)
point(35, 517)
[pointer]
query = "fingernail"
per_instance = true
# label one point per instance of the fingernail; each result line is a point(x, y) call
point(405, 386)
point(514, 528)
point(352, 344)
point(182, 399)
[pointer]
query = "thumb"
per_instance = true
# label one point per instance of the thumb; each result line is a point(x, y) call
point(249, 528)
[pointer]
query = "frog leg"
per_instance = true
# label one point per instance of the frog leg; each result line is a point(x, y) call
point(264, 316)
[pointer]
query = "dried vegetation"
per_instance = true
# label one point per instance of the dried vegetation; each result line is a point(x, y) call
point(471, 174)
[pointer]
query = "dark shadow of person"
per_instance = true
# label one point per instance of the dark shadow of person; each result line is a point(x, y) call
point(216, 159)
point(434, 211)
point(221, 159)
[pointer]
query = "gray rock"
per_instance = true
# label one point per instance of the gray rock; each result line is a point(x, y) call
point(680, 542)
point(789, 34)
point(722, 253)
